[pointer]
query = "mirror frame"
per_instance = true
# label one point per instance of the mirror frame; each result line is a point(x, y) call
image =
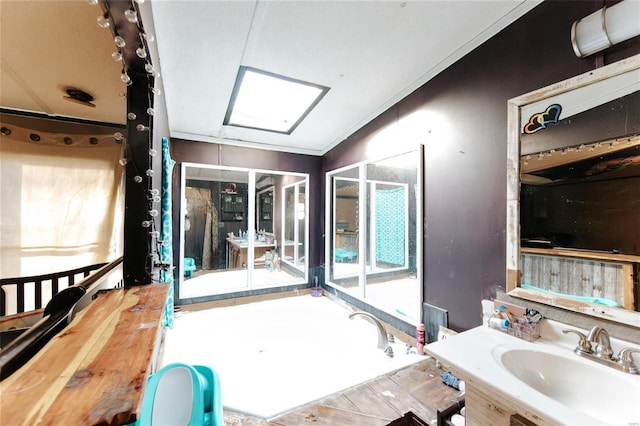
point(513, 194)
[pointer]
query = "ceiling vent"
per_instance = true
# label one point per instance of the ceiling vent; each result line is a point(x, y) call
point(79, 96)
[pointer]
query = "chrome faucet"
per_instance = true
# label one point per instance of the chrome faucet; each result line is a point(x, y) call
point(597, 347)
point(383, 341)
point(599, 338)
point(626, 361)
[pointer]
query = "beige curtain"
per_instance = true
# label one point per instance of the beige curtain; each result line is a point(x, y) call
point(202, 237)
point(61, 207)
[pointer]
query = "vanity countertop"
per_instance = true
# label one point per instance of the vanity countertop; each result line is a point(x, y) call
point(471, 356)
point(243, 243)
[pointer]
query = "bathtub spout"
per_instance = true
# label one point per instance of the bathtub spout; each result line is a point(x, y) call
point(383, 342)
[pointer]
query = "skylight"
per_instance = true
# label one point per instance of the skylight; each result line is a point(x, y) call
point(271, 102)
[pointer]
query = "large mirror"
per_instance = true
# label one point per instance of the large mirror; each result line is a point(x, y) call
point(574, 194)
point(374, 246)
point(231, 220)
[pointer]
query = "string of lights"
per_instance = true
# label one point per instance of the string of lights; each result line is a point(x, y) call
point(137, 65)
point(579, 150)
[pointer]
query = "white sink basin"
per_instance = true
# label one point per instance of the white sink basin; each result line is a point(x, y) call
point(598, 391)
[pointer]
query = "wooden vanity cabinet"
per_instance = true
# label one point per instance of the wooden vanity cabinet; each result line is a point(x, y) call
point(482, 409)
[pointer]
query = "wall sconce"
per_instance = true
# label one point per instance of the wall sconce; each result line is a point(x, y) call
point(606, 27)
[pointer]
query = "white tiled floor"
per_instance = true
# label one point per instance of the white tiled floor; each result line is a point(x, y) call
point(275, 355)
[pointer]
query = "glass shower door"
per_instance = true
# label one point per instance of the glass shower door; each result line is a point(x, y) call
point(373, 251)
point(344, 245)
point(295, 232)
point(301, 234)
point(233, 230)
point(391, 280)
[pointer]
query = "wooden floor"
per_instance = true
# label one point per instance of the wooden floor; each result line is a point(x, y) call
point(417, 388)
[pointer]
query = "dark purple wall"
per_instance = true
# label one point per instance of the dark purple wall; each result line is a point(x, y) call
point(465, 151)
point(226, 155)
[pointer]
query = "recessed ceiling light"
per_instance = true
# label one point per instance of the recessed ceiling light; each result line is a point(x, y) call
point(265, 101)
point(5, 131)
point(34, 137)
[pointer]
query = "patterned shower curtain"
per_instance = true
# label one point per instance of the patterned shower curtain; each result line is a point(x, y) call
point(389, 226)
point(166, 249)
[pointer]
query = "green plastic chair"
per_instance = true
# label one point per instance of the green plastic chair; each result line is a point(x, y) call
point(180, 394)
point(189, 266)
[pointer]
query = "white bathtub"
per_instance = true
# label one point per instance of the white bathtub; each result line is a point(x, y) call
point(273, 356)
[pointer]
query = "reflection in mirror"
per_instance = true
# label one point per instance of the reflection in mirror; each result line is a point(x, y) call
point(579, 193)
point(373, 228)
point(228, 242)
point(346, 193)
point(391, 279)
point(388, 226)
point(215, 216)
point(289, 223)
point(295, 232)
point(301, 225)
point(264, 209)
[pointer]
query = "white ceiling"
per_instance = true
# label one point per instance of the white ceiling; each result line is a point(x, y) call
point(47, 46)
point(370, 53)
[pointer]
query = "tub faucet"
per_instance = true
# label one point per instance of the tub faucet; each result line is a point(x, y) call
point(383, 342)
point(599, 338)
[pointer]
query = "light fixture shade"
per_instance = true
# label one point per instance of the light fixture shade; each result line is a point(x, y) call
point(623, 21)
point(606, 27)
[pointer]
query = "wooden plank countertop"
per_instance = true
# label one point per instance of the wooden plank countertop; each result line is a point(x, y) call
point(583, 254)
point(93, 372)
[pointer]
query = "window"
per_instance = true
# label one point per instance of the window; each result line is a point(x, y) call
point(271, 102)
